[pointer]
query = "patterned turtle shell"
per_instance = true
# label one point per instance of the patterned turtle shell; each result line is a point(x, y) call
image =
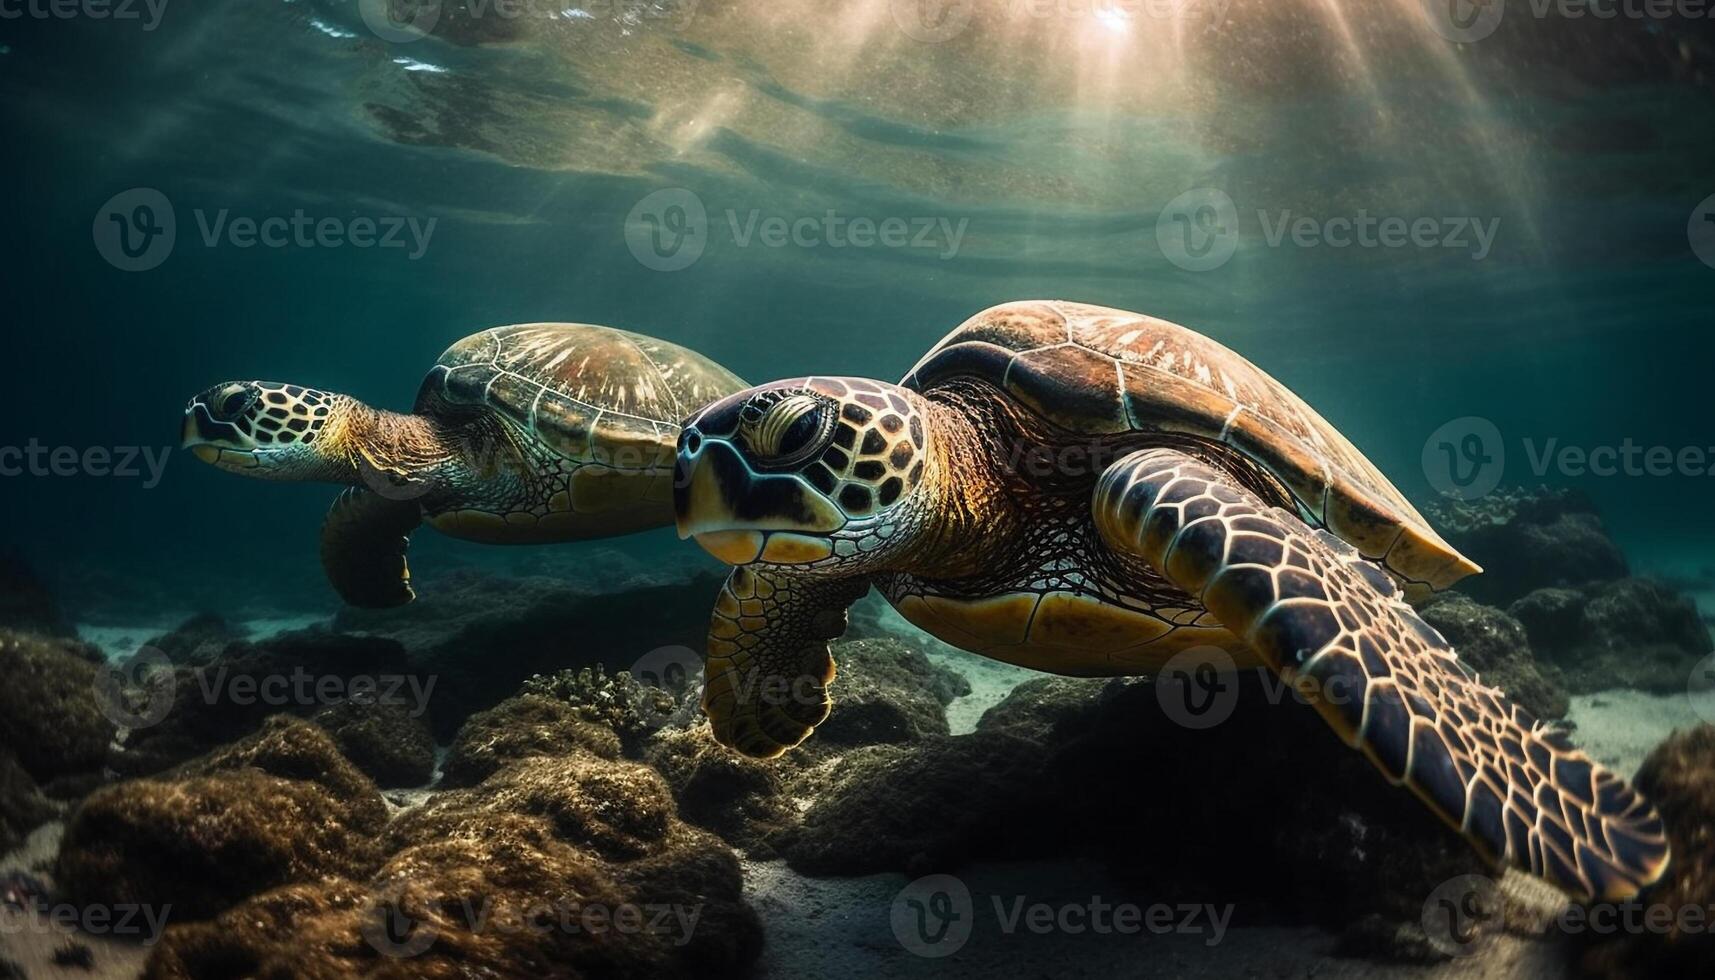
point(606, 404)
point(1093, 371)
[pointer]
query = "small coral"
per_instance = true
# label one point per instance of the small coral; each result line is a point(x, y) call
point(633, 709)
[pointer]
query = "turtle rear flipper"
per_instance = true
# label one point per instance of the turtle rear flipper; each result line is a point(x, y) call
point(768, 666)
point(1335, 625)
point(364, 539)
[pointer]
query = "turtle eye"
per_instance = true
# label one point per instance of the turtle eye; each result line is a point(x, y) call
point(234, 401)
point(793, 429)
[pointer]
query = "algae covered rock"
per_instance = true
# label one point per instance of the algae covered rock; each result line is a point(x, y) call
point(199, 640)
point(519, 728)
point(204, 843)
point(552, 867)
point(887, 693)
point(1496, 646)
point(1528, 540)
point(23, 808)
point(485, 635)
point(932, 805)
point(386, 741)
point(1679, 777)
point(292, 748)
point(51, 715)
point(744, 800)
point(1631, 632)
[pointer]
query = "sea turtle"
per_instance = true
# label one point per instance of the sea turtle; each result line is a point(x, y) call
point(1088, 491)
point(524, 434)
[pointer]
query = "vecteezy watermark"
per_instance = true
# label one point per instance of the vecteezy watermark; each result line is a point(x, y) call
point(403, 21)
point(136, 230)
point(1701, 231)
point(393, 931)
point(1466, 458)
point(673, 672)
point(1364, 230)
point(1198, 688)
point(147, 11)
point(1458, 914)
point(934, 917)
point(1198, 231)
point(132, 922)
point(669, 230)
point(117, 462)
point(139, 691)
point(1462, 914)
point(1467, 21)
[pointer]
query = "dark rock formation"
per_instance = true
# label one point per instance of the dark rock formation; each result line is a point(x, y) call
point(483, 636)
point(1679, 776)
point(567, 867)
point(385, 741)
point(520, 728)
point(301, 673)
point(931, 806)
point(26, 604)
point(204, 843)
point(199, 640)
point(1630, 632)
point(888, 693)
point(51, 716)
point(1528, 540)
point(1497, 647)
point(23, 808)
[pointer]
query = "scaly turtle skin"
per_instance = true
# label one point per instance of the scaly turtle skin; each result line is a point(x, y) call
point(1088, 491)
point(525, 434)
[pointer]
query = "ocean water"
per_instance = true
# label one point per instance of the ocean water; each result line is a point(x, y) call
point(1427, 228)
point(1051, 137)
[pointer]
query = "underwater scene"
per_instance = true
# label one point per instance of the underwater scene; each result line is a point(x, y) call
point(857, 488)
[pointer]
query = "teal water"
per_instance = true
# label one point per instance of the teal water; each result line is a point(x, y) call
point(1052, 143)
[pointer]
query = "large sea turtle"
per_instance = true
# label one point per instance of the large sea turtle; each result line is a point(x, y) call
point(524, 434)
point(1088, 491)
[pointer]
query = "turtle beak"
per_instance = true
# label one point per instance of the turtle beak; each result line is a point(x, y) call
point(211, 440)
point(734, 513)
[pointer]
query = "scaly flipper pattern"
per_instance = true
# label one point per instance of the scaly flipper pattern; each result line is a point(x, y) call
point(768, 665)
point(1337, 627)
point(364, 539)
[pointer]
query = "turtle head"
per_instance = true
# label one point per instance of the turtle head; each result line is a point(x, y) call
point(822, 472)
point(268, 430)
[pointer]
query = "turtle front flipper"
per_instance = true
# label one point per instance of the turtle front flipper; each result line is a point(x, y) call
point(1335, 625)
point(768, 664)
point(363, 548)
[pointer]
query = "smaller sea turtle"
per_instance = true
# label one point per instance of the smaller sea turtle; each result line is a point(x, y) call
point(525, 434)
point(1094, 492)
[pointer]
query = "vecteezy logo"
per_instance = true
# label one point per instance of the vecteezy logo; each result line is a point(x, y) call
point(392, 931)
point(1464, 21)
point(137, 692)
point(1198, 688)
point(933, 21)
point(932, 916)
point(400, 21)
point(668, 230)
point(674, 670)
point(1198, 230)
point(1457, 912)
point(135, 230)
point(1465, 458)
point(1701, 231)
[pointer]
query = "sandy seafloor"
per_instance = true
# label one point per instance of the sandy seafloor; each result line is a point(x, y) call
point(838, 928)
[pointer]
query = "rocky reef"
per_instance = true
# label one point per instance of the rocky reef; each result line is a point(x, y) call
point(562, 817)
